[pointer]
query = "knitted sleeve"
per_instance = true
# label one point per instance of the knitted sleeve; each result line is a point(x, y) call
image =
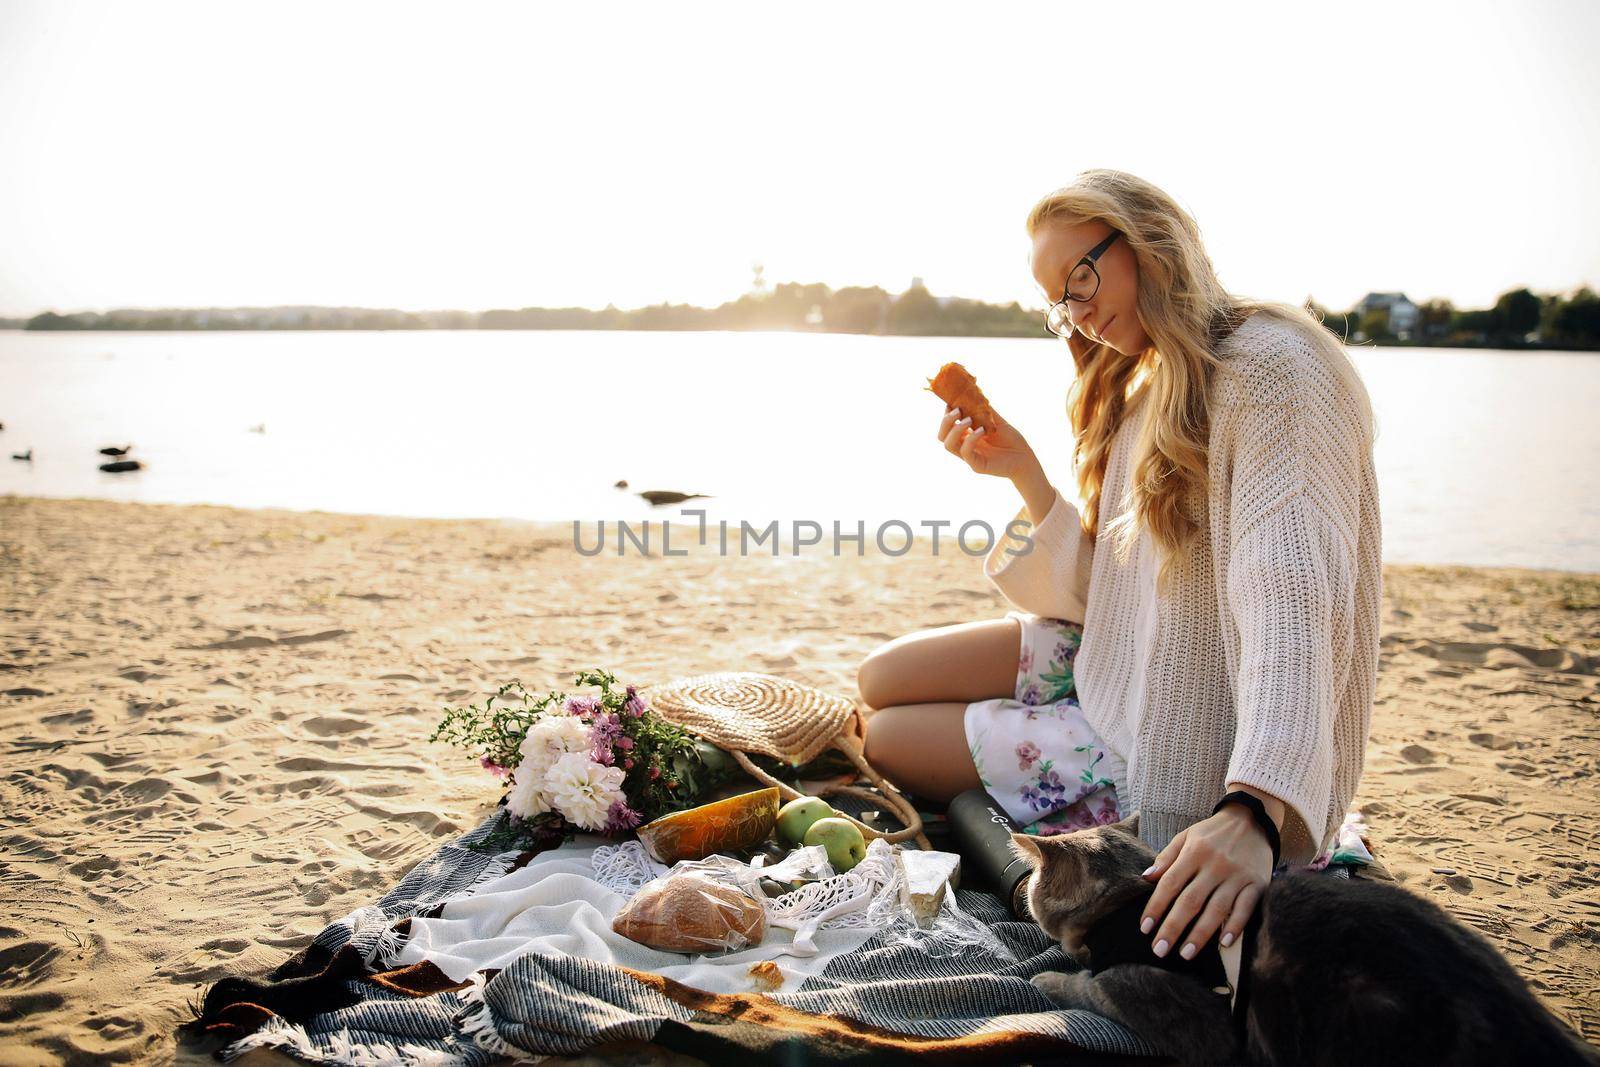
point(1295, 453)
point(1045, 571)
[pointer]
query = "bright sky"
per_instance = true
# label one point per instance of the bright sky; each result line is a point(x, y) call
point(495, 155)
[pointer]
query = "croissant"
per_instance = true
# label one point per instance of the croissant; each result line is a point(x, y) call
point(958, 388)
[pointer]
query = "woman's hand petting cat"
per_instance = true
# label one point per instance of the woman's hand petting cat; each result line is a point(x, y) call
point(1001, 451)
point(1217, 869)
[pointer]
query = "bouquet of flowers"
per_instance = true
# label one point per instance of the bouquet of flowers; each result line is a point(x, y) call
point(603, 763)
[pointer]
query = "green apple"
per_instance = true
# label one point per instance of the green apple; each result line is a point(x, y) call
point(843, 842)
point(796, 817)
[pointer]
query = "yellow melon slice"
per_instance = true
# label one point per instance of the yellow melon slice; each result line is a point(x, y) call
point(728, 825)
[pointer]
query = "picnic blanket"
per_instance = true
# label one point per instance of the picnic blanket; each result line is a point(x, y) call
point(345, 999)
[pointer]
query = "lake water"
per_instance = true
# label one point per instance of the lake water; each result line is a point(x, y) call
point(1483, 457)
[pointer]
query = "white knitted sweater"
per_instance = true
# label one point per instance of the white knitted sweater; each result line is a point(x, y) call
point(1259, 665)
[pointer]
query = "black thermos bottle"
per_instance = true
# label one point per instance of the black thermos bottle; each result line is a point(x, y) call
point(982, 833)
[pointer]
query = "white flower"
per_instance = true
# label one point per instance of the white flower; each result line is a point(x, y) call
point(552, 737)
point(584, 790)
point(527, 799)
point(546, 741)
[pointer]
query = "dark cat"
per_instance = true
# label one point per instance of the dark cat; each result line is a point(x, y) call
point(1335, 971)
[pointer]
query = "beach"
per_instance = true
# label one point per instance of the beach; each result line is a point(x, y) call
point(216, 726)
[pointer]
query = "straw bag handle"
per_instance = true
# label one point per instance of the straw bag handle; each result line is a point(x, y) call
point(890, 797)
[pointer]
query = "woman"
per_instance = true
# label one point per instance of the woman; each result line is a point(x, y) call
point(1223, 576)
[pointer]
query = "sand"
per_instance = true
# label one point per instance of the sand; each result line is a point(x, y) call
point(215, 727)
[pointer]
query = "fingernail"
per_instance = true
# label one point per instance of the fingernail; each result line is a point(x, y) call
point(979, 430)
point(1146, 926)
point(956, 410)
point(1161, 947)
point(1227, 939)
point(1187, 951)
point(1146, 872)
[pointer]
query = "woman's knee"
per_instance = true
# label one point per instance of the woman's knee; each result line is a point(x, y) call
point(962, 662)
point(874, 678)
point(922, 748)
point(891, 743)
point(883, 727)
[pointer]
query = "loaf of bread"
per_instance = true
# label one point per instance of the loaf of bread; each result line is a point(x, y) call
point(689, 912)
point(958, 388)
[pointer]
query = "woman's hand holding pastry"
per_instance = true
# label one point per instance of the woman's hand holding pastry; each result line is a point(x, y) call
point(1000, 450)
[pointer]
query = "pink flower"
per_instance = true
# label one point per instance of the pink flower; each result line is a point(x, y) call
point(1027, 753)
point(627, 764)
point(621, 817)
point(603, 733)
point(582, 707)
point(493, 768)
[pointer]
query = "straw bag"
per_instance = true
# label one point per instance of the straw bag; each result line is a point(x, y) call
point(743, 712)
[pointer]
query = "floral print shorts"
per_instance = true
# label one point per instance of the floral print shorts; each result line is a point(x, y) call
point(1048, 769)
point(1036, 754)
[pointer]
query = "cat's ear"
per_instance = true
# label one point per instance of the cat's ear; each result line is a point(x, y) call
point(1026, 846)
point(1130, 825)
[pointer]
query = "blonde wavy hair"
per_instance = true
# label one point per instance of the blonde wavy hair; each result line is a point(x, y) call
point(1185, 311)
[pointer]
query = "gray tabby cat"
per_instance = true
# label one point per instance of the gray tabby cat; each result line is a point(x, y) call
point(1333, 971)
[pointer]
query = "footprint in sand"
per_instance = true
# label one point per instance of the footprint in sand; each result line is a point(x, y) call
point(258, 641)
point(114, 1027)
point(146, 789)
point(1501, 656)
point(26, 963)
point(1497, 742)
point(137, 708)
point(311, 763)
point(334, 725)
point(95, 869)
point(520, 661)
point(1417, 754)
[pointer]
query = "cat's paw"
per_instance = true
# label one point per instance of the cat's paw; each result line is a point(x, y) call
point(1070, 989)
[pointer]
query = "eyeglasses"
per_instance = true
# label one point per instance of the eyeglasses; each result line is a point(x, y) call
point(1082, 284)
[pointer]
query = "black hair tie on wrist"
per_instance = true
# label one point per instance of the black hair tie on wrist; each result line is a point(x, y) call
point(1257, 809)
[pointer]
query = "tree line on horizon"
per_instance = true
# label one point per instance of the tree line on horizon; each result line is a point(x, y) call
point(1519, 318)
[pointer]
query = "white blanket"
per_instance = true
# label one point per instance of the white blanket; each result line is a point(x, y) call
point(554, 905)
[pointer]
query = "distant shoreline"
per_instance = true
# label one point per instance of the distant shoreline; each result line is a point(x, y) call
point(1503, 346)
point(1519, 318)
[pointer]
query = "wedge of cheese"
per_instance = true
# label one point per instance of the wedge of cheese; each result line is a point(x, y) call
point(924, 878)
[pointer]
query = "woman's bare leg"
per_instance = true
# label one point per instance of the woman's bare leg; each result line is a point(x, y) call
point(920, 685)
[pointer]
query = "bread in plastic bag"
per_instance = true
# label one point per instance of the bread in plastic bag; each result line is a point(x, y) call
point(872, 896)
point(687, 911)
